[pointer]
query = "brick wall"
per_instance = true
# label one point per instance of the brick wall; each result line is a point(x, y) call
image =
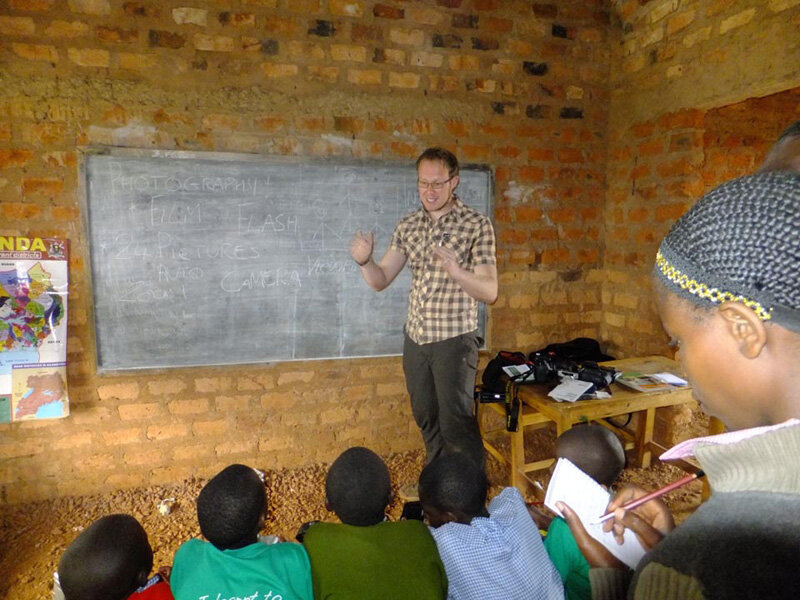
point(688, 112)
point(516, 85)
point(595, 117)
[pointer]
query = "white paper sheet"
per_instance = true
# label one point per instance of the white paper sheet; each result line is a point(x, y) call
point(570, 390)
point(589, 500)
point(671, 379)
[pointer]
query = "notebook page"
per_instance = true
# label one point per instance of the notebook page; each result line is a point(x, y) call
point(589, 500)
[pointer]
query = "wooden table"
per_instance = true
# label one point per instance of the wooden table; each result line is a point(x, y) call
point(538, 410)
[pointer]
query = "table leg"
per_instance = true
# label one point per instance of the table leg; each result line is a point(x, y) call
point(562, 425)
point(644, 434)
point(517, 465)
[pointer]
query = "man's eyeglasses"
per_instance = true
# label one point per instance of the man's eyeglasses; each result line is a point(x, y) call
point(433, 185)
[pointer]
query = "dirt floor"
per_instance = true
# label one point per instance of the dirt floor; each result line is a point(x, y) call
point(33, 536)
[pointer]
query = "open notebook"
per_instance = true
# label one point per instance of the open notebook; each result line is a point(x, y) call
point(589, 500)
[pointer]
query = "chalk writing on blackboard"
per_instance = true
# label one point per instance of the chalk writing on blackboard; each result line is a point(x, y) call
point(205, 259)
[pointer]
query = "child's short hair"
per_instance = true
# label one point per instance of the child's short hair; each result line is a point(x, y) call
point(454, 483)
point(107, 561)
point(358, 487)
point(230, 507)
point(595, 450)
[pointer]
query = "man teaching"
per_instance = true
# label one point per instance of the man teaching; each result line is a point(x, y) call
point(450, 249)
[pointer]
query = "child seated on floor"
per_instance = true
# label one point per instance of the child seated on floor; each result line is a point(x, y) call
point(365, 556)
point(231, 510)
point(597, 452)
point(109, 560)
point(494, 553)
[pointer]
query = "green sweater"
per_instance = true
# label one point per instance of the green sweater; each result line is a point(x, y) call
point(743, 543)
point(387, 561)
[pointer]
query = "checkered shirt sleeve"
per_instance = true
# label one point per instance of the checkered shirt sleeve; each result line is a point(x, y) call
point(438, 308)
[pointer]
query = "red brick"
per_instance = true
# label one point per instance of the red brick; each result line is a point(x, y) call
point(269, 124)
point(384, 11)
point(140, 9)
point(544, 234)
point(224, 122)
point(527, 214)
point(456, 128)
point(475, 152)
point(48, 186)
point(495, 25)
point(19, 210)
point(640, 171)
point(364, 77)
point(513, 236)
point(116, 35)
point(365, 33)
point(570, 155)
point(588, 255)
point(165, 39)
point(555, 255)
point(404, 149)
point(509, 151)
point(670, 212)
point(692, 118)
point(64, 213)
point(540, 154)
point(638, 215)
point(648, 236)
point(562, 215)
point(676, 168)
point(493, 129)
point(651, 147)
point(531, 174)
point(14, 157)
point(352, 125)
point(35, 52)
point(643, 130)
point(281, 26)
point(31, 5)
point(312, 123)
point(236, 19)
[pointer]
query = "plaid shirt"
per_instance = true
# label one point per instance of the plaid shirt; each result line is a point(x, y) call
point(499, 556)
point(438, 308)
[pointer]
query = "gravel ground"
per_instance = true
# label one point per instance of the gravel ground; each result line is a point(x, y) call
point(33, 536)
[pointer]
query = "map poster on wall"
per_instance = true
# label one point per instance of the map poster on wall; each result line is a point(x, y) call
point(33, 328)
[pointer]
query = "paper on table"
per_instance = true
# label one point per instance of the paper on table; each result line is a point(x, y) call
point(671, 379)
point(589, 500)
point(570, 390)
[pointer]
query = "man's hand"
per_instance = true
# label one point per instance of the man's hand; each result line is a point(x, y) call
point(362, 246)
point(448, 259)
point(593, 551)
point(650, 522)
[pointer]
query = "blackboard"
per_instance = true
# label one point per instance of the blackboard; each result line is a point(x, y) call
point(215, 258)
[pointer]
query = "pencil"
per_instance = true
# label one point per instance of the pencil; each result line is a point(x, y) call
point(646, 498)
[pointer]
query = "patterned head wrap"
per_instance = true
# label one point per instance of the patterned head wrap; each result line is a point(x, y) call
point(741, 243)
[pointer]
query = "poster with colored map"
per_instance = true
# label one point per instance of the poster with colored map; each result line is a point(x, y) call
point(33, 328)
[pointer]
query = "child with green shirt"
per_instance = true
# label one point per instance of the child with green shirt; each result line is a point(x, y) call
point(366, 557)
point(231, 510)
point(597, 452)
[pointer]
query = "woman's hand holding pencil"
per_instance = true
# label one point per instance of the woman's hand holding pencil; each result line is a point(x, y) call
point(650, 521)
